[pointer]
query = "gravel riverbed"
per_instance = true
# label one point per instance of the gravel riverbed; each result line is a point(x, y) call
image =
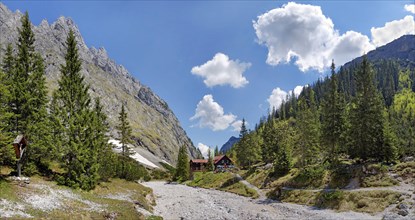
point(175, 201)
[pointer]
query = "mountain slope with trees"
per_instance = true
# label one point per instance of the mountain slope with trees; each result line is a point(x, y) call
point(155, 128)
point(361, 114)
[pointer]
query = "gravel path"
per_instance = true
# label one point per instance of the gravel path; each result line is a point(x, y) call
point(176, 201)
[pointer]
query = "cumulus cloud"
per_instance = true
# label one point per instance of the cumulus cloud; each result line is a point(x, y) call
point(237, 125)
point(278, 96)
point(393, 30)
point(210, 114)
point(204, 149)
point(304, 34)
point(222, 71)
point(298, 90)
point(410, 8)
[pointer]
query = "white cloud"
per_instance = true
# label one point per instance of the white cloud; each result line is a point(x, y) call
point(393, 30)
point(298, 90)
point(222, 71)
point(410, 8)
point(204, 149)
point(237, 125)
point(211, 115)
point(349, 46)
point(303, 33)
point(276, 98)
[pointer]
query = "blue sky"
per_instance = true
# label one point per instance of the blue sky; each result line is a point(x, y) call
point(216, 62)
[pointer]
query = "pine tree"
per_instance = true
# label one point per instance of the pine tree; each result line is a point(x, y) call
point(308, 128)
point(210, 164)
point(270, 141)
point(332, 118)
point(366, 116)
point(183, 166)
point(216, 151)
point(28, 98)
point(124, 132)
point(107, 159)
point(73, 118)
point(287, 137)
point(243, 130)
point(6, 150)
point(403, 116)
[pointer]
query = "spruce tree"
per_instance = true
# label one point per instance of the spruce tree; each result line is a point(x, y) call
point(210, 164)
point(107, 159)
point(332, 118)
point(124, 132)
point(402, 113)
point(25, 76)
point(243, 130)
point(366, 116)
point(308, 128)
point(73, 118)
point(183, 166)
point(6, 150)
point(216, 151)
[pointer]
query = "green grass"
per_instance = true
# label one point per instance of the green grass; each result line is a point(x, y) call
point(221, 181)
point(257, 178)
point(378, 180)
point(359, 201)
point(406, 171)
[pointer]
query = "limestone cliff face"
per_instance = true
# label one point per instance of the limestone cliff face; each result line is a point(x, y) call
point(155, 127)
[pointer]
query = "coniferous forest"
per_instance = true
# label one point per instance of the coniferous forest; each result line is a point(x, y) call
point(363, 112)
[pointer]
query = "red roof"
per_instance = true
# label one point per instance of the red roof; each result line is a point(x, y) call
point(218, 158)
point(198, 161)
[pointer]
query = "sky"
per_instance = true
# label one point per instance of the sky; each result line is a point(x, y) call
point(217, 62)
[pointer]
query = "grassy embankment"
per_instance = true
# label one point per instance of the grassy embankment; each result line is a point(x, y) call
point(45, 199)
point(221, 181)
point(314, 179)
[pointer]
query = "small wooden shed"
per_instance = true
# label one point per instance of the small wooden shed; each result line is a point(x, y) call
point(19, 144)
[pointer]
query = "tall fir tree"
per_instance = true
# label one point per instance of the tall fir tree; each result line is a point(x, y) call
point(366, 116)
point(308, 128)
point(6, 150)
point(402, 113)
point(243, 130)
point(332, 118)
point(73, 118)
point(124, 132)
point(28, 98)
point(210, 164)
point(6, 114)
point(216, 150)
point(183, 166)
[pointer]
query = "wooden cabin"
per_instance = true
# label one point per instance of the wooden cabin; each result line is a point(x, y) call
point(198, 164)
point(19, 144)
point(221, 162)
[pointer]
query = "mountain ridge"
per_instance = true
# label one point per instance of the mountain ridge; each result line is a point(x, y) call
point(155, 127)
point(228, 145)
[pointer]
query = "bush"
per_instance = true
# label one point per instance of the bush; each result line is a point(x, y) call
point(312, 176)
point(132, 170)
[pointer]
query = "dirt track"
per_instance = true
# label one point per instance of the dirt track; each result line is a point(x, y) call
point(176, 201)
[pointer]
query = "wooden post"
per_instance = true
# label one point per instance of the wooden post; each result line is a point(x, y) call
point(19, 168)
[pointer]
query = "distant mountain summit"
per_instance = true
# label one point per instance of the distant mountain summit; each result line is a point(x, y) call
point(156, 129)
point(401, 49)
point(227, 146)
